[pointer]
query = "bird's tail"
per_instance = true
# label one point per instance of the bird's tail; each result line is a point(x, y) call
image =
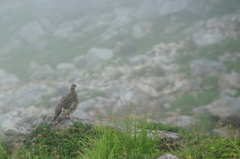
point(55, 117)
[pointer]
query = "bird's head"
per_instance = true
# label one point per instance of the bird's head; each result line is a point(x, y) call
point(73, 86)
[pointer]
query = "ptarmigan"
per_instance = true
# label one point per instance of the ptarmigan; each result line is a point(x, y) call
point(67, 104)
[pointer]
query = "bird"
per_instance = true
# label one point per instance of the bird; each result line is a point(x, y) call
point(67, 104)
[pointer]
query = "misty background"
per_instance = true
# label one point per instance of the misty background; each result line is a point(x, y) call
point(179, 56)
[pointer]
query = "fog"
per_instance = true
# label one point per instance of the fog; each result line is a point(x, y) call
point(176, 55)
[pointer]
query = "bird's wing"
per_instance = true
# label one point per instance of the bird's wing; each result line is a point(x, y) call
point(62, 104)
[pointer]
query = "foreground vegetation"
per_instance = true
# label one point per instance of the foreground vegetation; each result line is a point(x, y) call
point(84, 141)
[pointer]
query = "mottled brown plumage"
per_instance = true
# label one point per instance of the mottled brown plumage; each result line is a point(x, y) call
point(67, 104)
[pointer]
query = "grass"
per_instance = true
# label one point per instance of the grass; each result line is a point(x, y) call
point(158, 71)
point(233, 66)
point(210, 81)
point(185, 70)
point(117, 75)
point(114, 144)
point(187, 102)
point(184, 58)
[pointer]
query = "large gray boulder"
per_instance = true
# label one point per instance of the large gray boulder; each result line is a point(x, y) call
point(139, 59)
point(167, 156)
point(231, 81)
point(79, 61)
point(201, 68)
point(16, 114)
point(141, 29)
point(44, 72)
point(124, 12)
point(206, 39)
point(32, 32)
point(225, 108)
point(160, 82)
point(65, 67)
point(7, 79)
point(64, 30)
point(33, 66)
point(98, 55)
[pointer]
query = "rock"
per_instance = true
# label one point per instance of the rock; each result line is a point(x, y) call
point(186, 86)
point(119, 22)
point(79, 61)
point(122, 92)
point(201, 68)
point(41, 46)
point(21, 129)
point(64, 30)
point(26, 96)
point(47, 24)
point(137, 60)
point(125, 48)
point(231, 81)
point(16, 114)
point(32, 67)
point(87, 105)
point(141, 29)
point(192, 29)
point(225, 108)
point(32, 32)
point(206, 39)
point(65, 67)
point(76, 37)
point(167, 156)
point(7, 79)
point(82, 114)
point(123, 12)
point(165, 99)
point(228, 57)
point(161, 7)
point(115, 25)
point(147, 9)
point(150, 91)
point(108, 36)
point(183, 121)
point(98, 55)
point(160, 83)
point(228, 92)
point(169, 7)
point(44, 72)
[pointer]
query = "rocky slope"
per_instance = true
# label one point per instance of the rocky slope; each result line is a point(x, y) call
point(198, 72)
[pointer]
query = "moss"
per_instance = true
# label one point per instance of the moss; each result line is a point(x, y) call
point(117, 75)
point(211, 81)
point(66, 143)
point(185, 70)
point(163, 127)
point(184, 58)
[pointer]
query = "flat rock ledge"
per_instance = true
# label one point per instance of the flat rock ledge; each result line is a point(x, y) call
point(16, 134)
